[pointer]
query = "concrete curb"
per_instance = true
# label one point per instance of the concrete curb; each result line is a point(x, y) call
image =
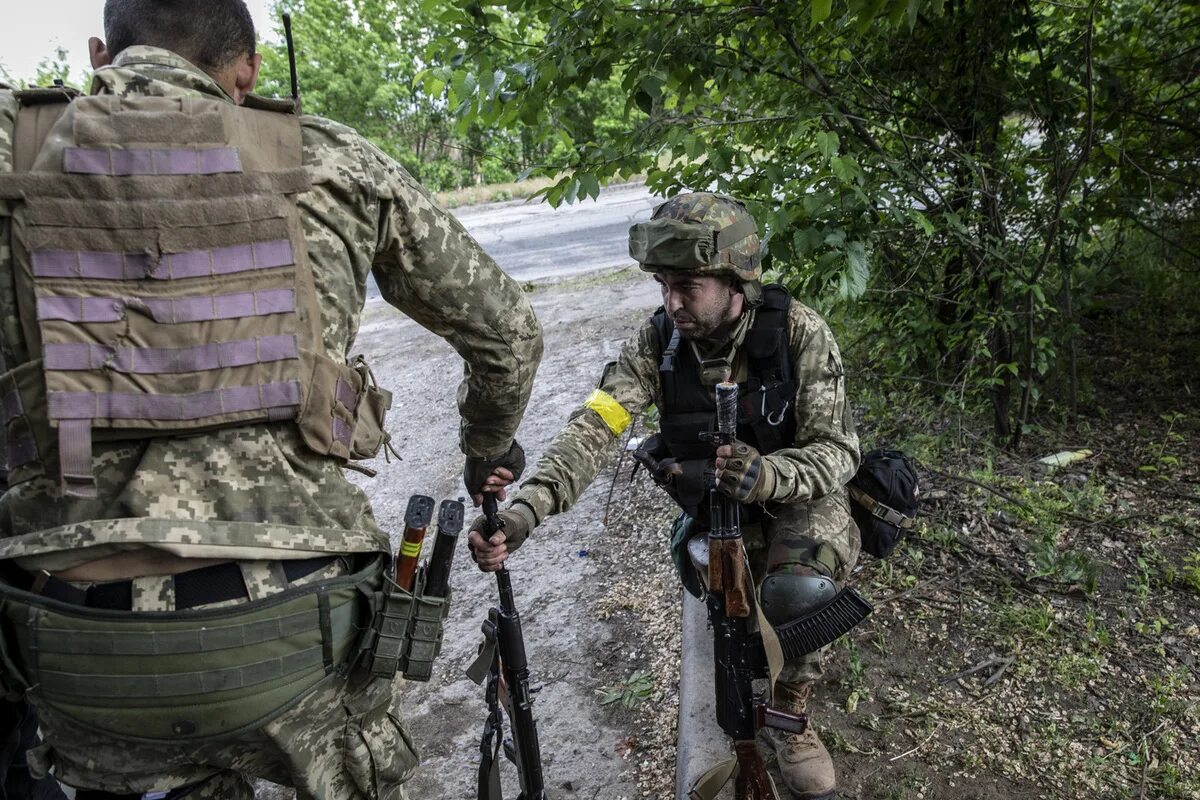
point(701, 743)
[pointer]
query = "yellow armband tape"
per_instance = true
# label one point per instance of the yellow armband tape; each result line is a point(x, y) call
point(614, 415)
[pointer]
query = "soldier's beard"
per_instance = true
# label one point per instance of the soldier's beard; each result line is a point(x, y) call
point(706, 324)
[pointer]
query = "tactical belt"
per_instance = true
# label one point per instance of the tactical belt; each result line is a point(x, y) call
point(198, 675)
point(198, 587)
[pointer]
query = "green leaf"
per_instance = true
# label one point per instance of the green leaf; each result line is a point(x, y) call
point(589, 186)
point(845, 168)
point(821, 10)
point(828, 143)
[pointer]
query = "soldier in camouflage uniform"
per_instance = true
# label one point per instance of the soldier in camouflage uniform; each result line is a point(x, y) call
point(718, 320)
point(249, 497)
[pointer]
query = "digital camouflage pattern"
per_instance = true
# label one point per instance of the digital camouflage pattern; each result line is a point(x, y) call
point(364, 215)
point(822, 461)
point(342, 741)
point(255, 493)
point(717, 211)
point(808, 521)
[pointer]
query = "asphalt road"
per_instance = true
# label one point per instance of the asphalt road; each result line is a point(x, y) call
point(533, 240)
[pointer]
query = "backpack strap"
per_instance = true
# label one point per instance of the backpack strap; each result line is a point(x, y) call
point(878, 509)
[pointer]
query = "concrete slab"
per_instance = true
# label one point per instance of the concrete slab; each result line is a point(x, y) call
point(702, 744)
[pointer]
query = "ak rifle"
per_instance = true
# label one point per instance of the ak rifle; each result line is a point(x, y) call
point(737, 657)
point(503, 665)
point(739, 654)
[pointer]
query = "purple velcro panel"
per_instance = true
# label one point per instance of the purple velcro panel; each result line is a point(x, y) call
point(81, 309)
point(175, 266)
point(275, 301)
point(226, 306)
point(134, 162)
point(212, 161)
point(173, 407)
point(273, 253)
point(11, 405)
point(162, 360)
point(87, 161)
point(344, 393)
point(239, 258)
point(71, 357)
point(73, 405)
point(342, 431)
point(90, 264)
point(183, 161)
point(192, 264)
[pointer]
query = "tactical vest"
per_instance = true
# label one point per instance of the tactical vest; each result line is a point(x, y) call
point(162, 286)
point(766, 416)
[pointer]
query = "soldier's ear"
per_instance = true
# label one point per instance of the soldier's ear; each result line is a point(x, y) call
point(246, 76)
point(99, 53)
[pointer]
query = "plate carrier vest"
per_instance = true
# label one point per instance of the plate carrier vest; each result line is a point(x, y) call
point(766, 418)
point(162, 284)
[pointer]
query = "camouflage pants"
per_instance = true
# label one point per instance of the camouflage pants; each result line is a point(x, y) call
point(819, 534)
point(344, 741)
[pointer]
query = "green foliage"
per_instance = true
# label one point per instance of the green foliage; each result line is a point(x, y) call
point(631, 691)
point(965, 178)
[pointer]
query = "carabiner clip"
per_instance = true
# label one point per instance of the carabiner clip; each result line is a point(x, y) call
point(773, 420)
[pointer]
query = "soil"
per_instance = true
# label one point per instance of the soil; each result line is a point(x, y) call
point(577, 643)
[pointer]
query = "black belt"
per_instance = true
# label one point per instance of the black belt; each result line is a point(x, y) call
point(196, 587)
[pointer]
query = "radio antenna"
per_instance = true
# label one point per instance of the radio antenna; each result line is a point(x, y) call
point(291, 48)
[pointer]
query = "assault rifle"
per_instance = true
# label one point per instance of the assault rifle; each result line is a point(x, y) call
point(502, 663)
point(739, 655)
point(741, 708)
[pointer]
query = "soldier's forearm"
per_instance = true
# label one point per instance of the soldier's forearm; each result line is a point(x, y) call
point(568, 466)
point(813, 471)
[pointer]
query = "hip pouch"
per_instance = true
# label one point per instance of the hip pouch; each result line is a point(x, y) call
point(182, 676)
point(406, 635)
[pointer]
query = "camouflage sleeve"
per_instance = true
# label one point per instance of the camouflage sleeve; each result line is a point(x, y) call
point(572, 461)
point(825, 454)
point(429, 267)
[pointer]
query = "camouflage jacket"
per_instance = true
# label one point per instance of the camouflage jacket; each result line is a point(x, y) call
point(204, 495)
point(822, 459)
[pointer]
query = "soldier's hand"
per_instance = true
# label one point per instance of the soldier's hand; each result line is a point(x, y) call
point(742, 474)
point(489, 552)
point(493, 475)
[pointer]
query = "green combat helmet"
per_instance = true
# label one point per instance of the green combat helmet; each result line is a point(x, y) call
point(701, 232)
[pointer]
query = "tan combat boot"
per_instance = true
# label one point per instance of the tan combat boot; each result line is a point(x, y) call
point(804, 762)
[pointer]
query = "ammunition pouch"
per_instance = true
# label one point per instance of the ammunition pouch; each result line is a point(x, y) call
point(406, 634)
point(196, 675)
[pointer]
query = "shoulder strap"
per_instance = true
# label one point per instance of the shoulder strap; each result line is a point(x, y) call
point(39, 110)
point(668, 345)
point(766, 343)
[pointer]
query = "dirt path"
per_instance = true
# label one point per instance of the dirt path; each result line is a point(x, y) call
point(559, 585)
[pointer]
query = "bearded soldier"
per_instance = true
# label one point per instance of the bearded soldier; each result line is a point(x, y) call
point(189, 580)
point(796, 445)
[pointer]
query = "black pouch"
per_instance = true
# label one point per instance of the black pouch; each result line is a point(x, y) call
point(884, 492)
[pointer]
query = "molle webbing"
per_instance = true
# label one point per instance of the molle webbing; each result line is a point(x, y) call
point(159, 238)
point(283, 395)
point(172, 266)
point(183, 676)
point(154, 360)
point(175, 161)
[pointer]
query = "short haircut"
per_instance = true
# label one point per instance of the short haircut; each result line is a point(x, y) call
point(212, 34)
